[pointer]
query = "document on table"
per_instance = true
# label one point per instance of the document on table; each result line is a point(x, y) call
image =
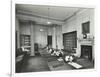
point(75, 65)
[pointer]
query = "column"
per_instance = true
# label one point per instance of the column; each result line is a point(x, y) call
point(59, 36)
point(32, 38)
point(54, 41)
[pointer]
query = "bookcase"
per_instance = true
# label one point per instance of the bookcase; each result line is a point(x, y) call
point(25, 41)
point(70, 40)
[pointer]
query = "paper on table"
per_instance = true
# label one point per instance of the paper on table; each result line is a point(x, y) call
point(75, 65)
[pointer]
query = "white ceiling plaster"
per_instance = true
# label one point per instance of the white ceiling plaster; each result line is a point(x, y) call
point(56, 14)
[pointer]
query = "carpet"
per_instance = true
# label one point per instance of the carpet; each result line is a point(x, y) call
point(35, 64)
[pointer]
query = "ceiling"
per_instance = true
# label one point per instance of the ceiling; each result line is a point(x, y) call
point(53, 13)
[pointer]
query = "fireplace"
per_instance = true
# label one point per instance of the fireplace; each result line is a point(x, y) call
point(86, 52)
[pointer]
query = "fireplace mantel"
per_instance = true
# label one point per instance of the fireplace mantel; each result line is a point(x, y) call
point(89, 42)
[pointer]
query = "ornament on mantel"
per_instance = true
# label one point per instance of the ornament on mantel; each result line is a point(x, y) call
point(85, 37)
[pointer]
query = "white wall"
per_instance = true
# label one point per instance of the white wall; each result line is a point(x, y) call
point(75, 24)
point(40, 36)
point(25, 28)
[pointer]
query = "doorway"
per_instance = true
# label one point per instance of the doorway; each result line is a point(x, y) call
point(49, 40)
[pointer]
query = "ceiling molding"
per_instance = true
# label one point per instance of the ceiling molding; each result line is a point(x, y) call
point(33, 22)
point(38, 16)
point(72, 15)
point(26, 22)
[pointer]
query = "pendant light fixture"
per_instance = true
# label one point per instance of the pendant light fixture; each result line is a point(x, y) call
point(48, 22)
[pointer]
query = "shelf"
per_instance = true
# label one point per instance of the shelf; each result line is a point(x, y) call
point(25, 40)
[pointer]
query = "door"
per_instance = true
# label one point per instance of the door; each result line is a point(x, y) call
point(49, 40)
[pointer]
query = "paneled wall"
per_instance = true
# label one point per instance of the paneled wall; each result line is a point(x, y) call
point(75, 24)
point(25, 28)
point(41, 35)
point(41, 32)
